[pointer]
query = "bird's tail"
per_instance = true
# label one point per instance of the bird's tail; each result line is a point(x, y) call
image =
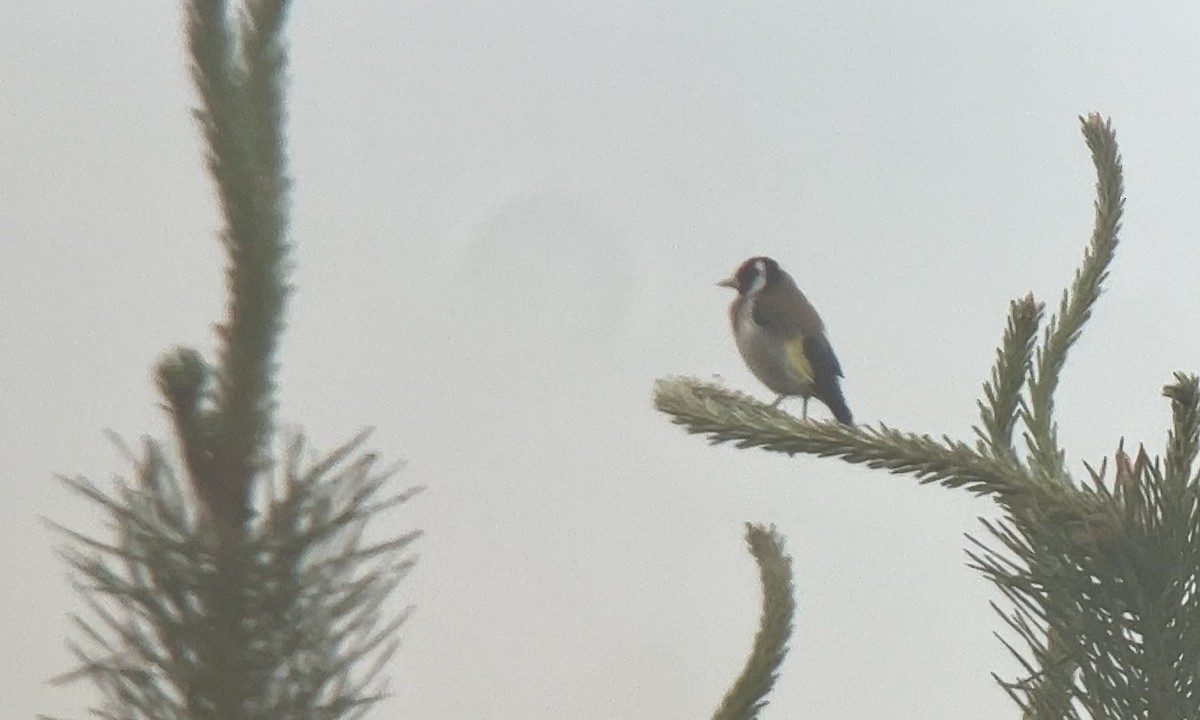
point(837, 403)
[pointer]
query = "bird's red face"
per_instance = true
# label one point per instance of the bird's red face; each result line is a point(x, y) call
point(752, 275)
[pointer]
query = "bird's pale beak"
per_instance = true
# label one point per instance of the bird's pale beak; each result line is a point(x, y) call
point(729, 283)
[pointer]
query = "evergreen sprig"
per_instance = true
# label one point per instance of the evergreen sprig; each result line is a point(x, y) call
point(1108, 611)
point(746, 696)
point(238, 75)
point(728, 416)
point(314, 604)
point(1000, 408)
point(1077, 303)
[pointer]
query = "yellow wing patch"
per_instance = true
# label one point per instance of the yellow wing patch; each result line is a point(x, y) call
point(797, 360)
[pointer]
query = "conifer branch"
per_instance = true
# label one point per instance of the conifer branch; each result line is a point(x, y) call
point(998, 416)
point(727, 416)
point(238, 78)
point(314, 608)
point(1076, 307)
point(183, 380)
point(265, 60)
point(1183, 441)
point(1106, 604)
point(746, 697)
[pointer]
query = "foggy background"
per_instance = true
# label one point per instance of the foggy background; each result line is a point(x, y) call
point(508, 221)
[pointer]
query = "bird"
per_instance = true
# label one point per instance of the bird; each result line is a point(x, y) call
point(781, 337)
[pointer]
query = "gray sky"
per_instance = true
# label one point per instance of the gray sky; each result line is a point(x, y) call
point(508, 221)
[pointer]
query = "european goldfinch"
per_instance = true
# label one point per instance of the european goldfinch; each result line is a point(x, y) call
point(781, 337)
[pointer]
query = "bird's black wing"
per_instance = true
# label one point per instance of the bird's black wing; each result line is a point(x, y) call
point(826, 371)
point(820, 355)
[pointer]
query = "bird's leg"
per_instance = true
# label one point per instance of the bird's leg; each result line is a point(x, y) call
point(777, 401)
point(805, 408)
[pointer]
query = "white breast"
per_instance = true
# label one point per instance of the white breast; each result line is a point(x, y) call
point(765, 356)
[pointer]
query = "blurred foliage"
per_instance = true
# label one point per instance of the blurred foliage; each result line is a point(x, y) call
point(247, 587)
